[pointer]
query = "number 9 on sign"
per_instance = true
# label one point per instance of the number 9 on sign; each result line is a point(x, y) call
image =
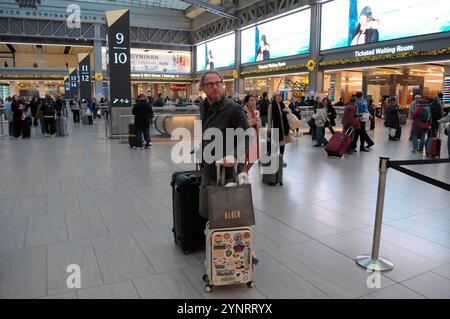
point(119, 38)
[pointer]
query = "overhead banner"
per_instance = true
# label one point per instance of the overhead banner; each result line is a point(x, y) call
point(118, 42)
point(357, 22)
point(281, 37)
point(216, 54)
point(85, 77)
point(73, 81)
point(67, 88)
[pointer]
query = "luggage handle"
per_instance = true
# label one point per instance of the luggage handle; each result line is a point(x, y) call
point(220, 181)
point(351, 129)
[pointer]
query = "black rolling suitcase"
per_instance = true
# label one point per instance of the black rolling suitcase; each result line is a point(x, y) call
point(270, 177)
point(26, 128)
point(188, 225)
point(132, 135)
point(398, 133)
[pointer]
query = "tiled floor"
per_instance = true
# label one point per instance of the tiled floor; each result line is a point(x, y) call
point(94, 202)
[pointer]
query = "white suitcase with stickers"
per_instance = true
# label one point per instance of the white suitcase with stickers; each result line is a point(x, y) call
point(228, 257)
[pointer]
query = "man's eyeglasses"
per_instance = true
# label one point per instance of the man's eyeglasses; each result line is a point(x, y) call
point(210, 85)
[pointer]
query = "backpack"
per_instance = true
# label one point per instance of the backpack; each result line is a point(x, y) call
point(425, 114)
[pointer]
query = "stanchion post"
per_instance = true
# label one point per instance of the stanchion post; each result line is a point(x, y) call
point(374, 262)
point(1, 124)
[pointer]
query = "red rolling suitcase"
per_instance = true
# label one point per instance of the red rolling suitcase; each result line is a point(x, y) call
point(339, 143)
point(434, 147)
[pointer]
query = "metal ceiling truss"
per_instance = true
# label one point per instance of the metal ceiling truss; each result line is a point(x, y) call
point(20, 27)
point(44, 29)
point(258, 12)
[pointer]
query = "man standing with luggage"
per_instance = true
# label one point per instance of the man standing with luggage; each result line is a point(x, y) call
point(221, 113)
point(48, 111)
point(142, 112)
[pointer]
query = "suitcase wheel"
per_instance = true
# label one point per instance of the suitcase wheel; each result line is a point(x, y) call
point(205, 278)
point(208, 288)
point(186, 251)
point(251, 284)
point(281, 184)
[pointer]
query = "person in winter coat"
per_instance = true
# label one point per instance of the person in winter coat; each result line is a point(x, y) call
point(263, 107)
point(17, 115)
point(254, 122)
point(320, 119)
point(392, 120)
point(295, 109)
point(437, 113)
point(48, 112)
point(412, 107)
point(142, 112)
point(219, 112)
point(350, 120)
point(331, 114)
point(421, 125)
point(278, 120)
point(367, 29)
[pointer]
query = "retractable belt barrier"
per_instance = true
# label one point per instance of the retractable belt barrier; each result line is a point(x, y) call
point(374, 262)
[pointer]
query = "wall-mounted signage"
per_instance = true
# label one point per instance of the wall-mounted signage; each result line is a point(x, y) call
point(216, 54)
point(145, 60)
point(285, 36)
point(357, 22)
point(271, 65)
point(384, 50)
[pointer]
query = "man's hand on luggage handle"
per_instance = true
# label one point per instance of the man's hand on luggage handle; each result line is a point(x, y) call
point(227, 161)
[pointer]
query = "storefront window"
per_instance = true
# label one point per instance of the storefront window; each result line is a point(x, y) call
point(294, 85)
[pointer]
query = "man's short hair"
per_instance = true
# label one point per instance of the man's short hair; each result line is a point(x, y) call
point(359, 94)
point(264, 94)
point(202, 79)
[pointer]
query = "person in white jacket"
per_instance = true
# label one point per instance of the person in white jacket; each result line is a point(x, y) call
point(442, 120)
point(320, 118)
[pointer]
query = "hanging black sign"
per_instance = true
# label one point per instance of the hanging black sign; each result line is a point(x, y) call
point(85, 79)
point(67, 89)
point(73, 80)
point(119, 58)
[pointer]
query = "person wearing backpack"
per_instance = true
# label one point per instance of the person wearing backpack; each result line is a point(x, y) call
point(436, 114)
point(48, 111)
point(421, 125)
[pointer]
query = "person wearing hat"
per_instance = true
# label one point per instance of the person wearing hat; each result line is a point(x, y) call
point(367, 29)
point(143, 112)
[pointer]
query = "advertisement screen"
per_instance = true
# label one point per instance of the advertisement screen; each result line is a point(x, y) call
point(356, 22)
point(216, 54)
point(278, 38)
point(160, 61)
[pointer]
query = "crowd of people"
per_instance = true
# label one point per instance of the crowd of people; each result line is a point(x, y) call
point(46, 113)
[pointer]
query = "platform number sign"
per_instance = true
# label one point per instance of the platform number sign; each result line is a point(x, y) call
point(85, 78)
point(119, 67)
point(73, 83)
point(67, 89)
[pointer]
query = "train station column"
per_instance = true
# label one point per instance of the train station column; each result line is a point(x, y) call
point(315, 74)
point(238, 80)
point(98, 72)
